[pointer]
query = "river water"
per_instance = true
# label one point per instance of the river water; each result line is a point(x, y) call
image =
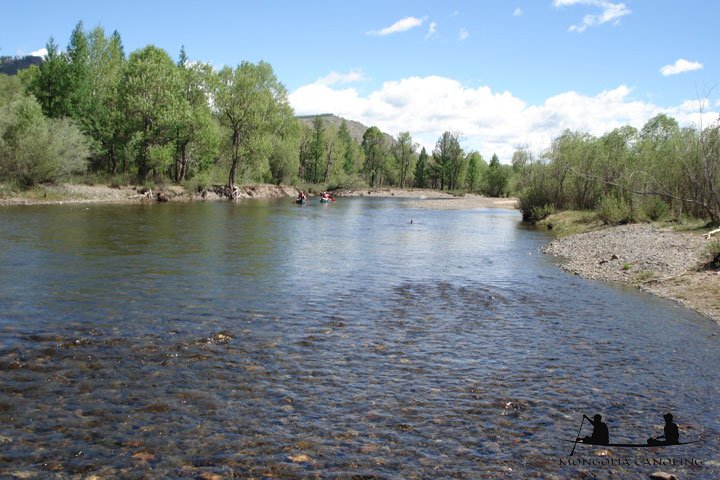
point(359, 339)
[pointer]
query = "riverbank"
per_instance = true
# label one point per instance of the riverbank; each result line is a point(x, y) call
point(433, 199)
point(657, 259)
point(78, 193)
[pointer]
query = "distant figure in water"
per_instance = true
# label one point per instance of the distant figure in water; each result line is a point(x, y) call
point(671, 434)
point(600, 434)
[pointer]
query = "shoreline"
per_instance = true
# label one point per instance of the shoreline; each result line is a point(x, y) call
point(67, 193)
point(658, 260)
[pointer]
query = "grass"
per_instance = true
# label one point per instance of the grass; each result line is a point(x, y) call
point(685, 224)
point(644, 277)
point(571, 222)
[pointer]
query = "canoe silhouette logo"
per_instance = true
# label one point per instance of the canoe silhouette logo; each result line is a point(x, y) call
point(601, 435)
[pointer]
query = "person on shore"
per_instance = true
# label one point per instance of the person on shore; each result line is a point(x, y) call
point(671, 434)
point(600, 434)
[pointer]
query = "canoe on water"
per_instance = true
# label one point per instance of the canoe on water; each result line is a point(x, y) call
point(324, 200)
point(301, 201)
point(634, 445)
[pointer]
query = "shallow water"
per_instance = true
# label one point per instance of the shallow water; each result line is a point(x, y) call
point(268, 340)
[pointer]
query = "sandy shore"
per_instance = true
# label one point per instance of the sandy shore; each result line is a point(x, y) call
point(658, 260)
point(433, 199)
point(76, 193)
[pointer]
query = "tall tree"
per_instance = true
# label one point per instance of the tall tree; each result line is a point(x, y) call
point(373, 145)
point(51, 85)
point(285, 158)
point(449, 157)
point(103, 120)
point(250, 104)
point(348, 150)
point(80, 86)
point(317, 149)
point(151, 100)
point(475, 171)
point(421, 167)
point(405, 155)
point(196, 133)
point(497, 178)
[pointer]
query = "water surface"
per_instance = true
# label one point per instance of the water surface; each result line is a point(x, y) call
point(265, 339)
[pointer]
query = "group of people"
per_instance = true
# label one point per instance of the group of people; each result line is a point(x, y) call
point(601, 435)
point(302, 197)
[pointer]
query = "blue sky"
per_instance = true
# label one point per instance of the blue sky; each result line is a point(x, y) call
point(501, 73)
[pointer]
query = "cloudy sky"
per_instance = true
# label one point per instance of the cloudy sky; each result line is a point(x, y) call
point(501, 73)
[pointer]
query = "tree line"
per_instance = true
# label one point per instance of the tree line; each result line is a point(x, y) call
point(91, 110)
point(660, 171)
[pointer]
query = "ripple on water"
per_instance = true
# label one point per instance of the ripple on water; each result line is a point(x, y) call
point(374, 377)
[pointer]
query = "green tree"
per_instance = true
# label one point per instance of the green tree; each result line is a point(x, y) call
point(475, 171)
point(34, 148)
point(250, 104)
point(497, 178)
point(421, 180)
point(196, 132)
point(51, 85)
point(349, 152)
point(80, 89)
point(103, 120)
point(405, 154)
point(317, 149)
point(373, 145)
point(285, 158)
point(449, 157)
point(152, 102)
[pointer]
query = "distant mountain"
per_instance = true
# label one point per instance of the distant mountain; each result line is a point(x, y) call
point(356, 129)
point(12, 65)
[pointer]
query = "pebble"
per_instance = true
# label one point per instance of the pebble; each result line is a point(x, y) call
point(662, 476)
point(300, 458)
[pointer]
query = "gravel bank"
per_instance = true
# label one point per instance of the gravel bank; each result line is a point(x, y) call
point(77, 193)
point(658, 260)
point(433, 199)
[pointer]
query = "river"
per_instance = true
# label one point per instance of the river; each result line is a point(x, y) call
point(357, 339)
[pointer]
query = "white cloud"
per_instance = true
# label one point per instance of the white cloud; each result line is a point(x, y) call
point(490, 122)
point(432, 29)
point(332, 78)
point(463, 34)
point(680, 66)
point(402, 25)
point(39, 53)
point(518, 12)
point(610, 12)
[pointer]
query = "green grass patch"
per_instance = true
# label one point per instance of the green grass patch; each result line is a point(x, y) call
point(685, 224)
point(570, 222)
point(644, 277)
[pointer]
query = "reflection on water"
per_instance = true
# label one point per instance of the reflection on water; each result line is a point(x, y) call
point(270, 340)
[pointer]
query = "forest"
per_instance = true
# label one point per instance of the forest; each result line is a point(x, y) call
point(92, 113)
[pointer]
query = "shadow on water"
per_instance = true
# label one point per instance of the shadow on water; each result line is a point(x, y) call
point(263, 339)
